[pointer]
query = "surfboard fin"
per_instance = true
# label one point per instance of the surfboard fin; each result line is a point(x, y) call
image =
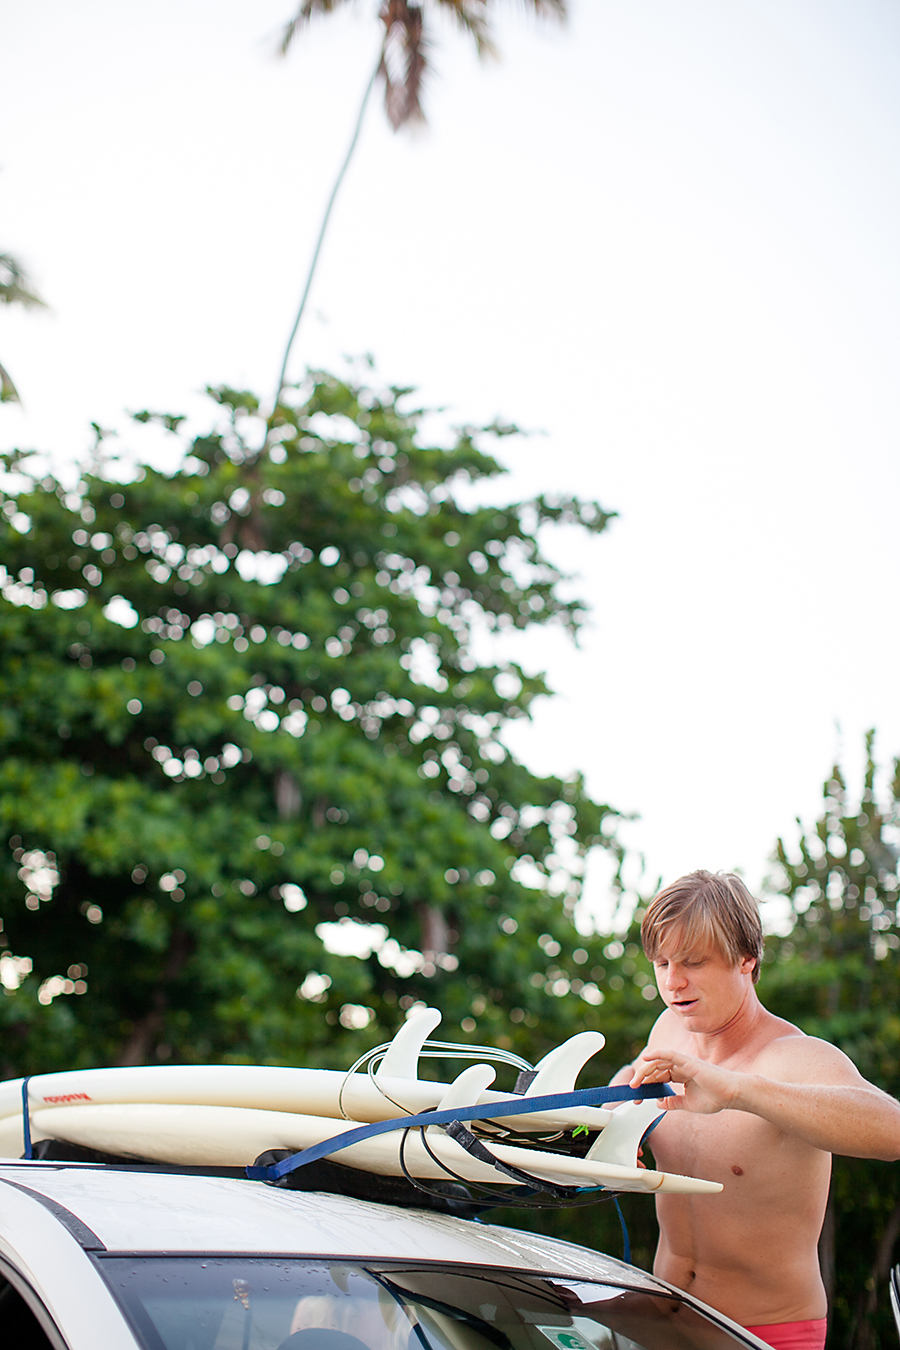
point(619, 1141)
point(557, 1071)
point(401, 1059)
point(465, 1090)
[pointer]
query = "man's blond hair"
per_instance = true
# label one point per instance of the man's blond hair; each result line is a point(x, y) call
point(701, 911)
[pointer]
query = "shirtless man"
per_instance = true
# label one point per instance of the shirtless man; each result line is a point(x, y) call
point(761, 1107)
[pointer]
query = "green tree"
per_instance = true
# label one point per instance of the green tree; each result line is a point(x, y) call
point(240, 702)
point(836, 975)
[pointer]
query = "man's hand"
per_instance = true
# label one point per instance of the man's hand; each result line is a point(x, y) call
point(807, 1088)
point(706, 1088)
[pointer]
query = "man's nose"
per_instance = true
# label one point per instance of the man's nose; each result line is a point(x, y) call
point(675, 977)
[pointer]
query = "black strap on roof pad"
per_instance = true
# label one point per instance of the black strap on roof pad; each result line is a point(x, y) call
point(337, 1179)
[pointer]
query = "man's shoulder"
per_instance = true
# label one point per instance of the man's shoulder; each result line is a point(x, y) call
point(668, 1030)
point(790, 1054)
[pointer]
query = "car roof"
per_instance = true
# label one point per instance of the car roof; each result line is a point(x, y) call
point(151, 1212)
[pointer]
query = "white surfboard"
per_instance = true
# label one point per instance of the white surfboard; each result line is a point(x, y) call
point(229, 1114)
point(235, 1136)
point(395, 1089)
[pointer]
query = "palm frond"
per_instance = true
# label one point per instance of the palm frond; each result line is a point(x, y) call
point(8, 391)
point(303, 16)
point(471, 15)
point(555, 9)
point(15, 288)
point(403, 62)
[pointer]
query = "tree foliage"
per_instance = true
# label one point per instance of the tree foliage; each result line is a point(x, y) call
point(245, 732)
point(836, 975)
point(15, 289)
point(404, 63)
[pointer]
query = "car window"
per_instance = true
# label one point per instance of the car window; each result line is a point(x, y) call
point(21, 1329)
point(233, 1303)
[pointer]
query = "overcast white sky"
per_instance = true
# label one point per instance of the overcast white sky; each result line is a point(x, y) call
point(665, 235)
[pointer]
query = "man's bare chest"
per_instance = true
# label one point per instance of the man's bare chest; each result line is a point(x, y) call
point(718, 1147)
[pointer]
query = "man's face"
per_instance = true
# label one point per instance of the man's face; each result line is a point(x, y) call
point(704, 988)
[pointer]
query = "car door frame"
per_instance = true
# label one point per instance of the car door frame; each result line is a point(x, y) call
point(35, 1304)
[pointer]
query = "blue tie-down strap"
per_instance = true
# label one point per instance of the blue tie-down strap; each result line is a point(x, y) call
point(26, 1120)
point(515, 1106)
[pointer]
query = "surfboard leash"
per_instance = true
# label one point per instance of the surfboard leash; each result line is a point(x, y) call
point(533, 1192)
point(491, 1197)
point(563, 1197)
point(436, 1050)
point(626, 1240)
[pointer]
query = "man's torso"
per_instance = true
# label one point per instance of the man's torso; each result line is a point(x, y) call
point(752, 1250)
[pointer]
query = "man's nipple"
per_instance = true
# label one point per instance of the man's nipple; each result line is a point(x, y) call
point(738, 1171)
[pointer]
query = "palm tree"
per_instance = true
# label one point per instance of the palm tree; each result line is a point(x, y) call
point(402, 66)
point(15, 289)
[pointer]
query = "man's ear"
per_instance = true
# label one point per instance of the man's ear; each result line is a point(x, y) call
point(748, 964)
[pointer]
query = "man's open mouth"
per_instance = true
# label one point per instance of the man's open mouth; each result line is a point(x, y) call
point(683, 1003)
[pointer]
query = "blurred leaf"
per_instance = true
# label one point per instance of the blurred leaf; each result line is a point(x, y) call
point(8, 391)
point(15, 287)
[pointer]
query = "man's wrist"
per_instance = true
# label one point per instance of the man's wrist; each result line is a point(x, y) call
point(747, 1092)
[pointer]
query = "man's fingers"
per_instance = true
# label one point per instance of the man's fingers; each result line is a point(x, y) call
point(670, 1057)
point(667, 1068)
point(659, 1071)
point(660, 1057)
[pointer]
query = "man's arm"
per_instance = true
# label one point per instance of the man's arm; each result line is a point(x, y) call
point(809, 1089)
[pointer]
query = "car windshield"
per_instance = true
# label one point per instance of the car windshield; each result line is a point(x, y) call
point(235, 1303)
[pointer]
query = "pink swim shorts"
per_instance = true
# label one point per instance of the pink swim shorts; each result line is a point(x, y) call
point(793, 1335)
